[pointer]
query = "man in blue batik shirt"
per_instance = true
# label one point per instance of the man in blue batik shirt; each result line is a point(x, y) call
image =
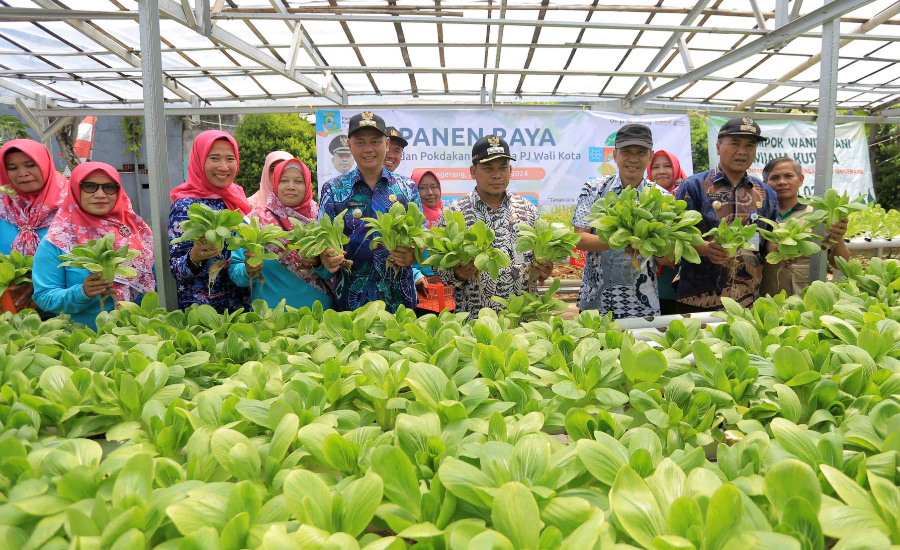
point(361, 193)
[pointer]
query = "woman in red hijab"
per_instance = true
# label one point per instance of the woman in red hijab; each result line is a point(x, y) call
point(212, 167)
point(31, 191)
point(297, 280)
point(96, 206)
point(665, 171)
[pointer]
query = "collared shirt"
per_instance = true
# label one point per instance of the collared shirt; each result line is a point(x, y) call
point(609, 283)
point(791, 278)
point(513, 280)
point(368, 279)
point(704, 284)
point(798, 208)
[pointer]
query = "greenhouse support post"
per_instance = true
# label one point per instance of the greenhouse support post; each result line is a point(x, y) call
point(825, 123)
point(155, 137)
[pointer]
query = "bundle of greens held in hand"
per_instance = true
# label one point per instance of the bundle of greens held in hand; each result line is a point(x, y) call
point(255, 240)
point(830, 209)
point(101, 256)
point(454, 245)
point(14, 269)
point(650, 224)
point(732, 237)
point(311, 240)
point(794, 237)
point(400, 227)
point(553, 242)
point(212, 227)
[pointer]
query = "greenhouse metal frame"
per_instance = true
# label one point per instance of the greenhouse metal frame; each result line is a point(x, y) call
point(161, 58)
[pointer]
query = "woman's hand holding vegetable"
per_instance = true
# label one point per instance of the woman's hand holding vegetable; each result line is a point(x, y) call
point(202, 251)
point(94, 286)
point(466, 271)
point(402, 256)
point(544, 269)
point(332, 263)
point(252, 271)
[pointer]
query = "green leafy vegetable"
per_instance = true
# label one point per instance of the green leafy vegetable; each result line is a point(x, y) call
point(553, 242)
point(255, 240)
point(313, 239)
point(830, 209)
point(210, 226)
point(101, 256)
point(399, 227)
point(14, 269)
point(794, 237)
point(647, 223)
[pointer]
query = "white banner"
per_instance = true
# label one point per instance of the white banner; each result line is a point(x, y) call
point(556, 151)
point(797, 140)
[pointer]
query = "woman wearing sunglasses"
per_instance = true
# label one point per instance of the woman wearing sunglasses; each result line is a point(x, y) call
point(212, 168)
point(297, 280)
point(96, 206)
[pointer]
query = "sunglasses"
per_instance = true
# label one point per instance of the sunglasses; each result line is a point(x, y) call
point(91, 187)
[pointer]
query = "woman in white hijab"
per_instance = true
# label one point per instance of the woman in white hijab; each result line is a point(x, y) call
point(273, 159)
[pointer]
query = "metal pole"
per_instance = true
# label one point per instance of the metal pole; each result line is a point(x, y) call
point(157, 154)
point(828, 73)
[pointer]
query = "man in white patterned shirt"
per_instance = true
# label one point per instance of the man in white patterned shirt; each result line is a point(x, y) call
point(609, 282)
point(501, 211)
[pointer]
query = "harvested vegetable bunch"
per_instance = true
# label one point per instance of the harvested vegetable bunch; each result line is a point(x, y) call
point(831, 209)
point(794, 237)
point(312, 239)
point(14, 268)
point(455, 245)
point(400, 227)
point(732, 237)
point(647, 223)
point(552, 242)
point(100, 256)
point(211, 226)
point(258, 242)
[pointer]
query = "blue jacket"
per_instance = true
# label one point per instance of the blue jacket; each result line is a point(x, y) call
point(9, 232)
point(281, 283)
point(60, 289)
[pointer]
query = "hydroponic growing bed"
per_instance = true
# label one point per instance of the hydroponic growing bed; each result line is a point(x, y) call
point(777, 429)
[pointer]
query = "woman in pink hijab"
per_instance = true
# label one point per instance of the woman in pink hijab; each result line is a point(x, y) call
point(212, 167)
point(665, 171)
point(430, 193)
point(273, 159)
point(31, 192)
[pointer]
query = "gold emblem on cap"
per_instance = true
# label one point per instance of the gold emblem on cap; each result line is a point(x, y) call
point(494, 140)
point(367, 114)
point(748, 121)
point(345, 140)
point(394, 132)
point(357, 213)
point(392, 197)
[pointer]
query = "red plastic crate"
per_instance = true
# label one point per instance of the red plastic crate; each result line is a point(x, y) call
point(579, 262)
point(439, 297)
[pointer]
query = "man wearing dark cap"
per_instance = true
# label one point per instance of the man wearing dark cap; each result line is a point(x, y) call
point(362, 193)
point(395, 147)
point(501, 211)
point(341, 158)
point(722, 194)
point(609, 282)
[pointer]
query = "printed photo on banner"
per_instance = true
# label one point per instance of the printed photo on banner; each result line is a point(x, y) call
point(556, 151)
point(797, 139)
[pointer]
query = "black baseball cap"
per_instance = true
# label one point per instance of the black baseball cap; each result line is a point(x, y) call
point(634, 134)
point(366, 119)
point(743, 126)
point(394, 135)
point(340, 144)
point(489, 148)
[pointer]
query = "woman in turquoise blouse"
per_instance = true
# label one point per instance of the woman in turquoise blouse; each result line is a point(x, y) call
point(96, 205)
point(298, 280)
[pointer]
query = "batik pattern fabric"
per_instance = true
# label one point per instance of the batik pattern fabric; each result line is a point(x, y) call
point(193, 288)
point(276, 213)
point(368, 279)
point(610, 283)
point(513, 280)
point(703, 285)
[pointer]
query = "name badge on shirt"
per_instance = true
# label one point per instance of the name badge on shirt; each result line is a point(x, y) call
point(518, 257)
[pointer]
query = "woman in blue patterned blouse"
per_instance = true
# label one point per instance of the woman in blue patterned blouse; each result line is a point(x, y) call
point(212, 167)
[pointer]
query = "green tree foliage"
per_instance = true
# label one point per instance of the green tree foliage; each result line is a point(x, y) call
point(699, 144)
point(887, 179)
point(259, 135)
